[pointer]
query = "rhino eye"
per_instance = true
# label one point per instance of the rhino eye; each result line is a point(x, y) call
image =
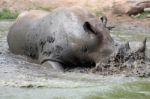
point(84, 49)
point(88, 28)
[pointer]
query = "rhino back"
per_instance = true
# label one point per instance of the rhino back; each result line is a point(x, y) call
point(65, 29)
point(47, 35)
point(18, 34)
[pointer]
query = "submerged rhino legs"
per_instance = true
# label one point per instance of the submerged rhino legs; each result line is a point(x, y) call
point(54, 65)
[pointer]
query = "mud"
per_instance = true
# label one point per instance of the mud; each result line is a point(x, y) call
point(126, 59)
point(19, 78)
point(113, 67)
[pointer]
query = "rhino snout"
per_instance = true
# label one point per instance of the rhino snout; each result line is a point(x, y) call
point(107, 50)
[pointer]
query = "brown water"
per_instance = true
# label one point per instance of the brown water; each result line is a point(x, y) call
point(20, 79)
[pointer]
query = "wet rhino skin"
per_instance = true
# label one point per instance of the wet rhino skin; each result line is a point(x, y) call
point(67, 37)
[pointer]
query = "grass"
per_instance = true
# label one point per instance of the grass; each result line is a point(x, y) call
point(143, 15)
point(98, 13)
point(133, 90)
point(131, 37)
point(8, 14)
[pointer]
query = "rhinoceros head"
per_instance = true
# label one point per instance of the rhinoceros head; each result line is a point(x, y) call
point(104, 44)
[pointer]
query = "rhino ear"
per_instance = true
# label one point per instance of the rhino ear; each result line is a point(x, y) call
point(104, 20)
point(88, 27)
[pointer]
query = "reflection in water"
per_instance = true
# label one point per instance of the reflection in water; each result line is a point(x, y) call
point(22, 79)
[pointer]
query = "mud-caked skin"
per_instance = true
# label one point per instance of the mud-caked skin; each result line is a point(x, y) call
point(65, 37)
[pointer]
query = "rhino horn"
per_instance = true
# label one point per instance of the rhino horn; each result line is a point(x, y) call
point(127, 45)
point(142, 48)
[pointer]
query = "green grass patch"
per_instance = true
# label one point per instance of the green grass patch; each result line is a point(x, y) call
point(143, 15)
point(8, 14)
point(131, 37)
point(132, 90)
point(98, 13)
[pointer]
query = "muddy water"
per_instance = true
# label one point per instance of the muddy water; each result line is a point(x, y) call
point(20, 79)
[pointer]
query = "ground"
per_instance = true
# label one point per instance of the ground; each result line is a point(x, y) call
point(127, 28)
point(100, 7)
point(22, 79)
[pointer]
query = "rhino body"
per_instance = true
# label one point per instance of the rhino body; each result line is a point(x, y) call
point(65, 37)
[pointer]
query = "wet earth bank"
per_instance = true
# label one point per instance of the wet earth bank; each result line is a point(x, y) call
point(20, 79)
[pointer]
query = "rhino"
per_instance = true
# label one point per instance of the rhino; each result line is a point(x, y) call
point(63, 38)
